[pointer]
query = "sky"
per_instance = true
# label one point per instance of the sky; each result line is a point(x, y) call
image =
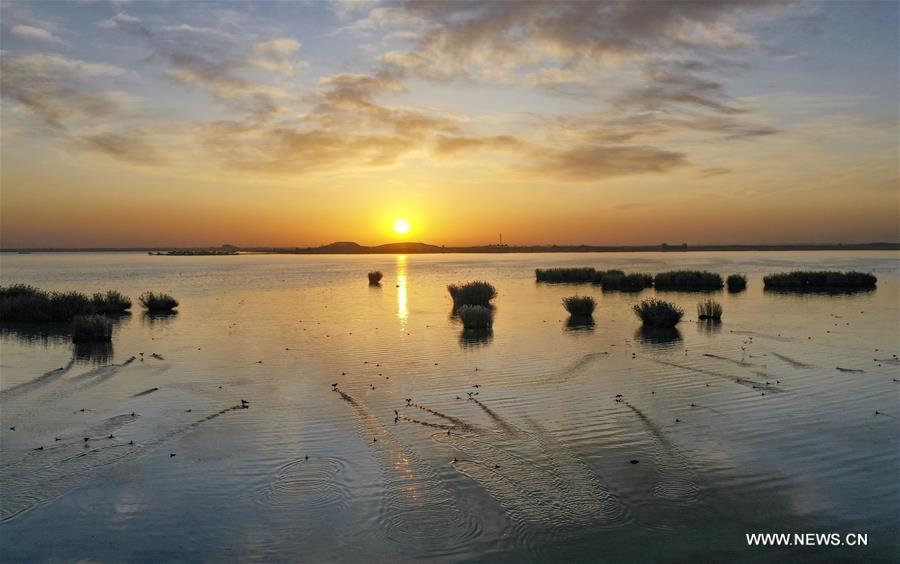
point(143, 124)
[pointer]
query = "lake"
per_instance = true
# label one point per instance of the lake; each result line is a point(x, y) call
point(506, 446)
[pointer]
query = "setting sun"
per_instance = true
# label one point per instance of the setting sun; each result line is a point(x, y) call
point(401, 227)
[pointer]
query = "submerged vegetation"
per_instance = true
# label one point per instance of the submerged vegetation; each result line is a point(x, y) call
point(616, 280)
point(579, 306)
point(820, 280)
point(91, 329)
point(709, 309)
point(736, 282)
point(688, 280)
point(476, 317)
point(478, 293)
point(565, 275)
point(158, 302)
point(23, 303)
point(657, 313)
point(375, 278)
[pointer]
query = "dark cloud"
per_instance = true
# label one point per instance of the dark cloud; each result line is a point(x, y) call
point(595, 163)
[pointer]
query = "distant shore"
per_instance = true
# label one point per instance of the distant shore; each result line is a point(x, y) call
point(349, 248)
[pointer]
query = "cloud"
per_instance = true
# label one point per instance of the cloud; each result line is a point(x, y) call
point(58, 89)
point(710, 172)
point(212, 60)
point(452, 146)
point(576, 163)
point(131, 147)
point(275, 56)
point(202, 31)
point(478, 38)
point(36, 33)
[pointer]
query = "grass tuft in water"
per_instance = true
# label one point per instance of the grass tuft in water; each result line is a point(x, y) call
point(580, 306)
point(112, 302)
point(478, 293)
point(819, 280)
point(375, 278)
point(618, 281)
point(22, 303)
point(476, 317)
point(736, 282)
point(565, 275)
point(688, 280)
point(91, 329)
point(709, 309)
point(657, 313)
point(158, 302)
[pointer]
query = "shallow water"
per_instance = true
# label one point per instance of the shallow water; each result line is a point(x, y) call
point(763, 423)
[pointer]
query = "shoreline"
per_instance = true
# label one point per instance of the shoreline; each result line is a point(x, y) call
point(420, 248)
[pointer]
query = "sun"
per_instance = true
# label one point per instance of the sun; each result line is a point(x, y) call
point(401, 227)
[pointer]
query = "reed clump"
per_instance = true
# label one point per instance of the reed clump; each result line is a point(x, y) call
point(476, 317)
point(820, 280)
point(477, 293)
point(709, 309)
point(565, 275)
point(657, 313)
point(736, 282)
point(375, 278)
point(696, 280)
point(580, 306)
point(91, 329)
point(23, 303)
point(618, 281)
point(112, 302)
point(158, 302)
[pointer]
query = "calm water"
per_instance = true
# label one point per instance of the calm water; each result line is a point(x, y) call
point(764, 423)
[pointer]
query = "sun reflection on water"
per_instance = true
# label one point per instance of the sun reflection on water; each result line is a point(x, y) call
point(402, 309)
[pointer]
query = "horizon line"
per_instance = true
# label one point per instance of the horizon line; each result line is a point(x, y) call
point(492, 247)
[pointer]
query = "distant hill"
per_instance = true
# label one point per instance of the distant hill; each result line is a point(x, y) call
point(351, 248)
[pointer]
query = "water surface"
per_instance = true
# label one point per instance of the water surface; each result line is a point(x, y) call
point(763, 423)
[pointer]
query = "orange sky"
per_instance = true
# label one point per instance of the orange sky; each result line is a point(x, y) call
point(294, 124)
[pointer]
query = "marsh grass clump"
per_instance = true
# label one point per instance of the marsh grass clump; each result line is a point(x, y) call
point(736, 282)
point(819, 281)
point(565, 275)
point(478, 293)
point(375, 278)
point(691, 280)
point(580, 306)
point(112, 302)
point(657, 313)
point(621, 282)
point(22, 303)
point(158, 302)
point(91, 329)
point(476, 317)
point(709, 309)
point(599, 275)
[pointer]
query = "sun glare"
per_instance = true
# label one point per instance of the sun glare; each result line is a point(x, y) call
point(401, 227)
